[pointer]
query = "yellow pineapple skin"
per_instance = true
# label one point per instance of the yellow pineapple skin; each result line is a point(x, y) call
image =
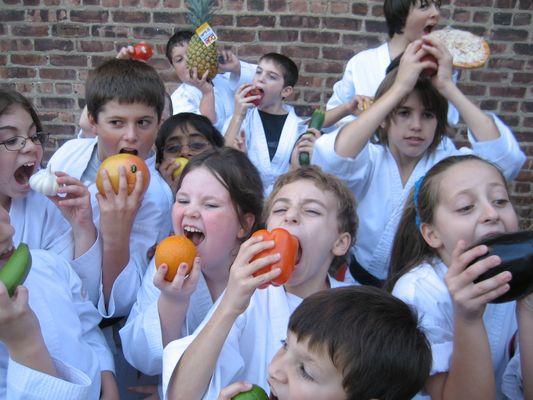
point(202, 57)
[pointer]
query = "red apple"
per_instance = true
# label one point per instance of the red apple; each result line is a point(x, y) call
point(429, 72)
point(256, 92)
point(142, 51)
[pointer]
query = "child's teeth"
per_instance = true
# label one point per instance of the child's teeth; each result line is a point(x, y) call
point(191, 229)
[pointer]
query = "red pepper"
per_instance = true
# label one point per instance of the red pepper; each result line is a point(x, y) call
point(142, 51)
point(287, 246)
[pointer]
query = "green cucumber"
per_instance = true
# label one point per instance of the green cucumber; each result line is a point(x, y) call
point(317, 120)
point(16, 269)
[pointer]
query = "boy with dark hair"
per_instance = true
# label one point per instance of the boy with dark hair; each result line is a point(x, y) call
point(125, 100)
point(407, 21)
point(262, 124)
point(355, 343)
point(241, 334)
point(196, 93)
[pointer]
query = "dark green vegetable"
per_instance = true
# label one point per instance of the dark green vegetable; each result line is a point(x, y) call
point(317, 120)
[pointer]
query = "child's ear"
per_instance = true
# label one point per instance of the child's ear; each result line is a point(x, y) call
point(249, 220)
point(287, 91)
point(342, 244)
point(430, 235)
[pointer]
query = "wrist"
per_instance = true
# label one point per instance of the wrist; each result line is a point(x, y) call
point(227, 311)
point(207, 90)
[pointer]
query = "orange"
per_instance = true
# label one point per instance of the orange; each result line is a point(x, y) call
point(131, 162)
point(173, 251)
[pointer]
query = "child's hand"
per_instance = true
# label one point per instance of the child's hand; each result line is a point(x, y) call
point(125, 53)
point(181, 287)
point(19, 327)
point(228, 62)
point(118, 211)
point(76, 205)
point(233, 390)
point(411, 65)
point(437, 49)
point(242, 101)
point(306, 144)
point(241, 282)
point(201, 83)
point(470, 298)
point(240, 141)
point(166, 169)
point(6, 235)
point(359, 104)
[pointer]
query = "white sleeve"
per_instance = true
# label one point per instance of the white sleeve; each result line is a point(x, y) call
point(142, 341)
point(343, 90)
point(88, 266)
point(185, 99)
point(29, 384)
point(504, 151)
point(355, 172)
point(229, 364)
point(89, 320)
point(512, 379)
point(57, 236)
point(152, 224)
point(429, 298)
point(246, 75)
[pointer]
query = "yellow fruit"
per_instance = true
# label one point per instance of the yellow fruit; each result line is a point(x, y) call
point(199, 55)
point(173, 251)
point(182, 162)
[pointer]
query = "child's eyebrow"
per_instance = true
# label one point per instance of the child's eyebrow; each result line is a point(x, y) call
point(304, 202)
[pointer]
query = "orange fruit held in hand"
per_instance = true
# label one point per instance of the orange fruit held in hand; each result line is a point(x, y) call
point(132, 163)
point(173, 251)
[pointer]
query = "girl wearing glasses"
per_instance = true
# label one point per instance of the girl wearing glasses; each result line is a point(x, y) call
point(63, 225)
point(183, 135)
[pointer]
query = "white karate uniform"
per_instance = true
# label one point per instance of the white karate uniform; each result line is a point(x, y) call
point(152, 222)
point(142, 341)
point(362, 76)
point(423, 288)
point(186, 98)
point(512, 386)
point(69, 326)
point(257, 148)
point(374, 179)
point(251, 343)
point(40, 224)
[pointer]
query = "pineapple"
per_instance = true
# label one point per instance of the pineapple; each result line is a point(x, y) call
point(198, 54)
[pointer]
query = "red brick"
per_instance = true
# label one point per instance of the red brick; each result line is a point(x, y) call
point(256, 5)
point(298, 6)
point(507, 91)
point(461, 15)
point(236, 35)
point(295, 21)
point(277, 5)
point(138, 17)
point(347, 24)
point(114, 31)
point(335, 53)
point(53, 44)
point(223, 20)
point(95, 46)
point(28, 59)
point(324, 67)
point(359, 8)
point(68, 60)
point(523, 48)
point(488, 76)
point(256, 20)
point(57, 102)
point(375, 26)
point(63, 88)
point(171, 18)
point(339, 7)
point(30, 30)
point(509, 34)
point(502, 18)
point(70, 30)
point(301, 51)
point(522, 19)
point(57, 74)
point(472, 90)
point(278, 36)
point(11, 15)
point(172, 3)
point(481, 16)
point(87, 16)
point(18, 72)
point(320, 37)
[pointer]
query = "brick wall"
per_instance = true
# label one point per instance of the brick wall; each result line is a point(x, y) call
point(47, 47)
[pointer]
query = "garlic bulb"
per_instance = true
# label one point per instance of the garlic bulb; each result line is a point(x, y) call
point(45, 181)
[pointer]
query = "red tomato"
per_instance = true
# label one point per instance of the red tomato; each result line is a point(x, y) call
point(429, 72)
point(142, 51)
point(287, 246)
point(256, 92)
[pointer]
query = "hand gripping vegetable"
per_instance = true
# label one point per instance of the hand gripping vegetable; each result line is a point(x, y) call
point(16, 268)
point(285, 244)
point(255, 393)
point(45, 182)
point(317, 120)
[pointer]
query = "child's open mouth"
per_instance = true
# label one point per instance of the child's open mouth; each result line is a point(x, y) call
point(22, 174)
point(193, 234)
point(428, 29)
point(129, 151)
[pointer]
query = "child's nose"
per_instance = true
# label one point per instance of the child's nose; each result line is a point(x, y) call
point(276, 369)
point(489, 213)
point(131, 133)
point(415, 122)
point(291, 216)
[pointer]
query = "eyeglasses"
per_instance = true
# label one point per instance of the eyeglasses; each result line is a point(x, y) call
point(194, 147)
point(17, 143)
